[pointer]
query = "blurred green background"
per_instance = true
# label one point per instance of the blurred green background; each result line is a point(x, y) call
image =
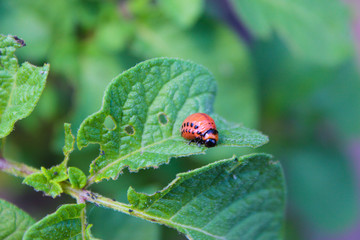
point(288, 68)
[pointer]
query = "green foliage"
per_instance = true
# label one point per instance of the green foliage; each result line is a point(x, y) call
point(310, 32)
point(223, 200)
point(20, 87)
point(65, 223)
point(49, 180)
point(40, 182)
point(55, 173)
point(77, 177)
point(13, 221)
point(147, 105)
point(69, 142)
point(295, 78)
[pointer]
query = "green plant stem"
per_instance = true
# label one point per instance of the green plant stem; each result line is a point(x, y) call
point(99, 200)
point(81, 195)
point(16, 169)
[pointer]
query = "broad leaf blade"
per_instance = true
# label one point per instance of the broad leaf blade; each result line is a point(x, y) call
point(13, 221)
point(20, 87)
point(229, 199)
point(139, 123)
point(77, 177)
point(310, 32)
point(233, 134)
point(66, 223)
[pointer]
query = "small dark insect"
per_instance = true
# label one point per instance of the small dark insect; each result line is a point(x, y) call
point(130, 210)
point(19, 40)
point(93, 196)
point(55, 173)
point(205, 132)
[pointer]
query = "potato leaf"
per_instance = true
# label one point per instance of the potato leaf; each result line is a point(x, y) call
point(69, 142)
point(13, 221)
point(20, 87)
point(139, 123)
point(40, 182)
point(77, 177)
point(66, 223)
point(238, 198)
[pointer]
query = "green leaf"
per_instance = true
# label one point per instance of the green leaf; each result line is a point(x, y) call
point(233, 134)
point(65, 223)
point(310, 32)
point(69, 142)
point(13, 221)
point(56, 173)
point(139, 123)
point(41, 183)
point(77, 177)
point(230, 199)
point(183, 12)
point(20, 87)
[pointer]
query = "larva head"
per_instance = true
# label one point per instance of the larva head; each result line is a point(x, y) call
point(210, 138)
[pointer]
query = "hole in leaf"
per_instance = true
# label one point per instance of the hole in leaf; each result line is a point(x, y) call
point(163, 119)
point(130, 130)
point(109, 123)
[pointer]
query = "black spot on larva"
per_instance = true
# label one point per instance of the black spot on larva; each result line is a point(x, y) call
point(198, 132)
point(193, 132)
point(191, 124)
point(187, 124)
point(196, 126)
